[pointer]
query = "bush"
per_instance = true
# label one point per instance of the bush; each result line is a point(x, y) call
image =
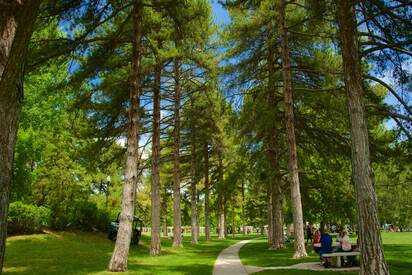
point(80, 214)
point(27, 218)
point(88, 216)
point(84, 215)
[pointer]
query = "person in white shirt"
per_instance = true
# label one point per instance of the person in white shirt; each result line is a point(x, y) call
point(346, 246)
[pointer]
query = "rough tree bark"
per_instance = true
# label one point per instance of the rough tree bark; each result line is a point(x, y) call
point(277, 212)
point(17, 19)
point(177, 220)
point(193, 191)
point(372, 257)
point(275, 191)
point(155, 248)
point(299, 238)
point(207, 192)
point(118, 262)
point(269, 214)
point(164, 212)
point(221, 201)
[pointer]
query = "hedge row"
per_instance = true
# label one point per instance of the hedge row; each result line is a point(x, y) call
point(27, 218)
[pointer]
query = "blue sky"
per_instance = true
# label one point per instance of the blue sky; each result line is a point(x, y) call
point(220, 14)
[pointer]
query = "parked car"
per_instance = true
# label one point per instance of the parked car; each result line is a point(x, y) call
point(137, 230)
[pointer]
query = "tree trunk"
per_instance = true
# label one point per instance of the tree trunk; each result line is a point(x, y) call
point(233, 219)
point(299, 238)
point(372, 257)
point(221, 201)
point(164, 210)
point(207, 187)
point(194, 231)
point(225, 214)
point(155, 249)
point(269, 215)
point(177, 220)
point(243, 209)
point(221, 218)
point(272, 151)
point(193, 191)
point(277, 212)
point(16, 28)
point(118, 262)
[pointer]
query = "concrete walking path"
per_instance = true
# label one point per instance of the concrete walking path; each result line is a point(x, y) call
point(228, 263)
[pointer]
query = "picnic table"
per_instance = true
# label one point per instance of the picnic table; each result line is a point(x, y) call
point(334, 244)
point(336, 256)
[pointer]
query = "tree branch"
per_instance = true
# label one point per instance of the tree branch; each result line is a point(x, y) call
point(392, 91)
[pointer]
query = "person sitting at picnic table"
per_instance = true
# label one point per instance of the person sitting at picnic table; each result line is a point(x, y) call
point(316, 240)
point(345, 246)
point(339, 236)
point(326, 246)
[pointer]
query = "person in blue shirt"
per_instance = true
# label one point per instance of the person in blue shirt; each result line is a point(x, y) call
point(326, 245)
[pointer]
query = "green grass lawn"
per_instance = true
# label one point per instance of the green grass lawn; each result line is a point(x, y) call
point(89, 253)
point(397, 246)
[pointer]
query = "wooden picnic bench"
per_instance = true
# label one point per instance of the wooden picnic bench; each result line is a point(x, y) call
point(335, 256)
point(334, 244)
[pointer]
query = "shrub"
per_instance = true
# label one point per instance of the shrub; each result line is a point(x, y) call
point(80, 214)
point(27, 218)
point(88, 216)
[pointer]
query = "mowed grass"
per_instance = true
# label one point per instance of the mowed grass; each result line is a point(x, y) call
point(397, 248)
point(89, 253)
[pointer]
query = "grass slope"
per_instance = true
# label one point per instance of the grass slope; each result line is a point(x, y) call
point(397, 247)
point(89, 253)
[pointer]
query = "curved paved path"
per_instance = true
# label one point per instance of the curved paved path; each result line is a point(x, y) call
point(228, 263)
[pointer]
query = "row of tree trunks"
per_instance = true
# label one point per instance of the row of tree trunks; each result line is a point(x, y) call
point(118, 262)
point(155, 248)
point(299, 239)
point(17, 20)
point(372, 257)
point(177, 220)
point(207, 192)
